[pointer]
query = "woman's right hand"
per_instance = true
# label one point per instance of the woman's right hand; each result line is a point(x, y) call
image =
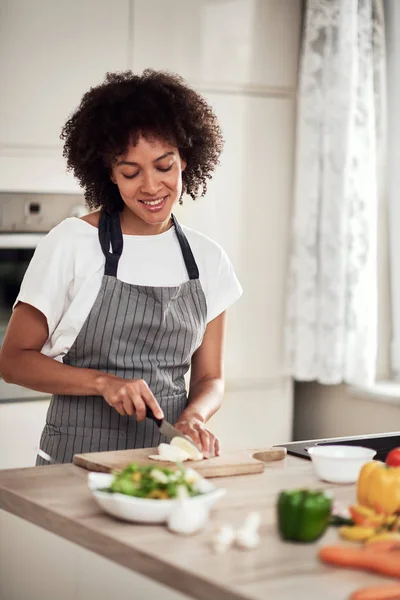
point(128, 396)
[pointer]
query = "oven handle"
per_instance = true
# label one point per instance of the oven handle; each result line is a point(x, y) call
point(20, 240)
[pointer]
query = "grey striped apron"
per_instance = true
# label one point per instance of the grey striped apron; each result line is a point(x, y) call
point(135, 332)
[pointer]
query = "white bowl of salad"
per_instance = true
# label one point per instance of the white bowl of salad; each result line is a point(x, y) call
point(148, 494)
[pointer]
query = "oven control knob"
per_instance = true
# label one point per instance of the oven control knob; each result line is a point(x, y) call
point(79, 210)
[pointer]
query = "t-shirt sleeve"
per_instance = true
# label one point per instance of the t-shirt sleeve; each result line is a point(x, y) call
point(223, 287)
point(47, 279)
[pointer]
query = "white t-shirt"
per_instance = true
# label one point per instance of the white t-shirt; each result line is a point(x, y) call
point(64, 276)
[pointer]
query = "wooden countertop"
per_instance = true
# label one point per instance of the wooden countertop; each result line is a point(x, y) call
point(57, 498)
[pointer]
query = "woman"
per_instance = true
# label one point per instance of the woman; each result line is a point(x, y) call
point(115, 307)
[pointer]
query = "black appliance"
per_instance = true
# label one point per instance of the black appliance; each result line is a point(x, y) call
point(383, 443)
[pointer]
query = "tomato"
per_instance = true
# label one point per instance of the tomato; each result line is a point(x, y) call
point(393, 458)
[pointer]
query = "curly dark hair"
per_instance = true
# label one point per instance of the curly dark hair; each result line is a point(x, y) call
point(114, 114)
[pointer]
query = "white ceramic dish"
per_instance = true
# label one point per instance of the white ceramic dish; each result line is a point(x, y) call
point(339, 464)
point(144, 510)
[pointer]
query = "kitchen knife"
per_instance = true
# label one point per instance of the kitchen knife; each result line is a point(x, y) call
point(167, 429)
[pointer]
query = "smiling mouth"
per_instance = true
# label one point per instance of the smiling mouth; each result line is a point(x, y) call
point(153, 202)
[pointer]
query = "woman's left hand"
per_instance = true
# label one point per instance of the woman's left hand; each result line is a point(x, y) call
point(195, 428)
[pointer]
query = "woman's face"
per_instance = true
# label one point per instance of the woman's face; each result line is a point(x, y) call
point(149, 179)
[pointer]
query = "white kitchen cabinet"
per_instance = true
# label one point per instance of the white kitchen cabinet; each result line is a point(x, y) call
point(21, 425)
point(247, 210)
point(51, 52)
point(36, 564)
point(224, 45)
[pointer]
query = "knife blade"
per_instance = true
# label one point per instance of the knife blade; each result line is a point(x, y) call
point(167, 429)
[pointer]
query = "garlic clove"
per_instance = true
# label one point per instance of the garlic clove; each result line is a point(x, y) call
point(247, 539)
point(223, 538)
point(187, 518)
point(252, 522)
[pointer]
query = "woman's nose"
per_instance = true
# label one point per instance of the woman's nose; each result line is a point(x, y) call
point(150, 184)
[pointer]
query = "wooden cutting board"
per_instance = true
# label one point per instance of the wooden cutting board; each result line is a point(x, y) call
point(234, 462)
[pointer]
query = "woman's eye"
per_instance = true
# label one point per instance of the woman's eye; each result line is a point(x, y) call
point(162, 169)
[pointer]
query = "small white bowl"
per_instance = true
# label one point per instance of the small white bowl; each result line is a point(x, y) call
point(144, 510)
point(339, 464)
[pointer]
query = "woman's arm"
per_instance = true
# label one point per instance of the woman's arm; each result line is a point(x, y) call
point(206, 387)
point(22, 363)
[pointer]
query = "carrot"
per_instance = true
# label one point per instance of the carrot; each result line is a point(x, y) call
point(382, 592)
point(342, 556)
point(382, 557)
point(388, 545)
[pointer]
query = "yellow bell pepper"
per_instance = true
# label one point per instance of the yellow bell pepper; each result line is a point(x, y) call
point(378, 487)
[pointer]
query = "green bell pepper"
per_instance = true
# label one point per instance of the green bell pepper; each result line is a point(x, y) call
point(303, 515)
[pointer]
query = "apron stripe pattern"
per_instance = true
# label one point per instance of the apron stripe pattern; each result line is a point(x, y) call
point(134, 332)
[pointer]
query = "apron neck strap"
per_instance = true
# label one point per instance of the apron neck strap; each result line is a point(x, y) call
point(187, 253)
point(110, 235)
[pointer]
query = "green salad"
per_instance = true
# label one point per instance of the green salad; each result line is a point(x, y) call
point(158, 483)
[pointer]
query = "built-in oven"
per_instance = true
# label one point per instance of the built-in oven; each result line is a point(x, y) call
point(24, 220)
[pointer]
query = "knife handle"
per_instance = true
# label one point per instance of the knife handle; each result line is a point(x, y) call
point(150, 415)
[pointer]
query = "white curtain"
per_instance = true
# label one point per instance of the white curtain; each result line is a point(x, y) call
point(392, 11)
point(331, 327)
